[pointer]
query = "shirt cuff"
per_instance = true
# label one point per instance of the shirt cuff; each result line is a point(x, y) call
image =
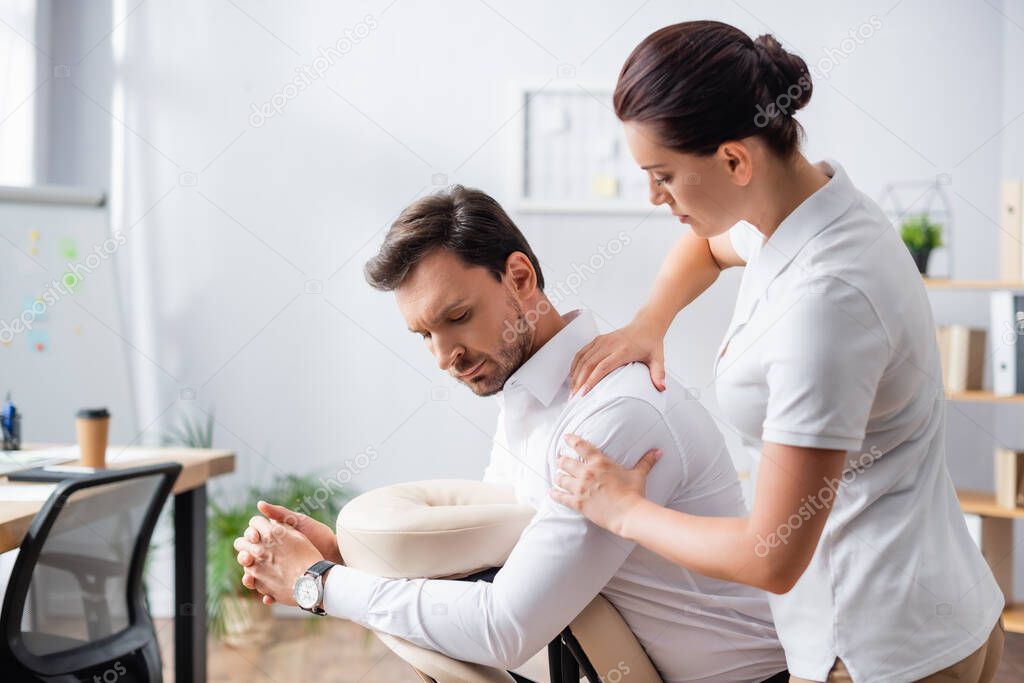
point(347, 593)
point(832, 443)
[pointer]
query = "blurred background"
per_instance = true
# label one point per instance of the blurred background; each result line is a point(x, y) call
point(253, 153)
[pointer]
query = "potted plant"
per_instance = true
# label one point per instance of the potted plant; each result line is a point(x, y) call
point(235, 614)
point(921, 235)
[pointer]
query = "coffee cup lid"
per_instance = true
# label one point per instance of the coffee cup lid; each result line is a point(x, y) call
point(93, 413)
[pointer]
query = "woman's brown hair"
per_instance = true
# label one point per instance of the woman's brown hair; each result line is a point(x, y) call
point(701, 83)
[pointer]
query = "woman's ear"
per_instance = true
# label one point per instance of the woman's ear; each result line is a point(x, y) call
point(738, 162)
point(520, 274)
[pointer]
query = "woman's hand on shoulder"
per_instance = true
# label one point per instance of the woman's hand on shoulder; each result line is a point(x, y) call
point(639, 341)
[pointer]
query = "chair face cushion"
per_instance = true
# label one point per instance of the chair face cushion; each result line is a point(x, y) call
point(441, 528)
point(442, 668)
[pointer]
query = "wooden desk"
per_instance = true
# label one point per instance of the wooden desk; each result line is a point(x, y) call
point(198, 466)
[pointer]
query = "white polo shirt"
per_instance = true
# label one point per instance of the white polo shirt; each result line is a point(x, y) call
point(694, 628)
point(832, 345)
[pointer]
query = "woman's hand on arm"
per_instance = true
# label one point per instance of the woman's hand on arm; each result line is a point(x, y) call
point(689, 269)
point(767, 550)
point(599, 488)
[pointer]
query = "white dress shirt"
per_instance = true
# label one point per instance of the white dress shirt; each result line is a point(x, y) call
point(694, 628)
point(832, 346)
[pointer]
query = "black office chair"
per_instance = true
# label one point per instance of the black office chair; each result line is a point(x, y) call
point(74, 609)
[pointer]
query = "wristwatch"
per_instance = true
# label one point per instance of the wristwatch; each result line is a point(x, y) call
point(309, 588)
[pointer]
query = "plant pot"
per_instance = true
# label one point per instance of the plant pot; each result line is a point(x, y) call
point(247, 621)
point(921, 259)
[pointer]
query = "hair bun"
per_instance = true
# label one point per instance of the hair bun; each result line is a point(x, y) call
point(785, 72)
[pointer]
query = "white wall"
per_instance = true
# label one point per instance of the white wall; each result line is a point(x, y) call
point(304, 382)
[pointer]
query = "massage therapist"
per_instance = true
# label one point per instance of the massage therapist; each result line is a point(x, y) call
point(829, 371)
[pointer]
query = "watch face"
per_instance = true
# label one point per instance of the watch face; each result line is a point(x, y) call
point(307, 592)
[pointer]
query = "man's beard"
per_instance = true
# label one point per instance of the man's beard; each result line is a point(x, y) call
point(511, 355)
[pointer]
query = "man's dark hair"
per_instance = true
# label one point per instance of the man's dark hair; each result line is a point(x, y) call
point(467, 222)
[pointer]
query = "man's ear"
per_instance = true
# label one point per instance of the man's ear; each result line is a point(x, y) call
point(520, 274)
point(738, 161)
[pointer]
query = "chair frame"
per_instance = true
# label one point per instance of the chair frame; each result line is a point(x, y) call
point(140, 630)
point(566, 658)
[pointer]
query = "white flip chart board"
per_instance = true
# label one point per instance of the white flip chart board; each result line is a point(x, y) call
point(63, 343)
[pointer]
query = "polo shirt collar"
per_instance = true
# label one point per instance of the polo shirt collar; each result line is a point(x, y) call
point(544, 373)
point(812, 216)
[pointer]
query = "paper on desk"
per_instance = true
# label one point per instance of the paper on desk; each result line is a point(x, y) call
point(15, 461)
point(114, 453)
point(25, 492)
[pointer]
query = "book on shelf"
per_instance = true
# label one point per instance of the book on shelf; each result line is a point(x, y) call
point(962, 353)
point(1006, 329)
point(1011, 233)
point(1009, 478)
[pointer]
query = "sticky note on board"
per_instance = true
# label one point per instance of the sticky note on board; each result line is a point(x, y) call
point(33, 235)
point(67, 247)
point(34, 306)
point(605, 185)
point(71, 281)
point(38, 340)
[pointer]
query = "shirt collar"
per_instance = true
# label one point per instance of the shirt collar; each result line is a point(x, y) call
point(544, 373)
point(812, 216)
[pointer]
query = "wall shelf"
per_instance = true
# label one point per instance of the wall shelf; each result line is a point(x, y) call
point(1013, 618)
point(983, 397)
point(942, 284)
point(983, 503)
point(596, 206)
point(997, 547)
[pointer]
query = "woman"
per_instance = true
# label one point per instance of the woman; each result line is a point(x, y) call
point(829, 371)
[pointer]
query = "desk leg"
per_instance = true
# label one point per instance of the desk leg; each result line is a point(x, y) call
point(190, 586)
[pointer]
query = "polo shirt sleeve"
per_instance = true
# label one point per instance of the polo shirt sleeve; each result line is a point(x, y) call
point(746, 240)
point(823, 360)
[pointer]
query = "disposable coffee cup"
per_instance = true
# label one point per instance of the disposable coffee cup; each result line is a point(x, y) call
point(92, 426)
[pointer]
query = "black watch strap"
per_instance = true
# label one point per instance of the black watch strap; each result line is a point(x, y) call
point(317, 571)
point(320, 568)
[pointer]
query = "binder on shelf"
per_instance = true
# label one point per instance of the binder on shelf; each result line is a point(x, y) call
point(1011, 233)
point(962, 352)
point(1009, 478)
point(1007, 327)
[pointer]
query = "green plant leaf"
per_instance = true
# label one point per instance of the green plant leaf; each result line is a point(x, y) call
point(919, 232)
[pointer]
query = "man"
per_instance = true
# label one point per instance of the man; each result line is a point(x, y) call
point(468, 283)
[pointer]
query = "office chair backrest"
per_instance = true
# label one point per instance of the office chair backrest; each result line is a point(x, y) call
point(75, 598)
